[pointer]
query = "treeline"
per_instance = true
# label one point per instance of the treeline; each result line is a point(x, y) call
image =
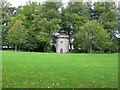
point(91, 26)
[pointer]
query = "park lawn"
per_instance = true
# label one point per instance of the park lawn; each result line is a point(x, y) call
point(51, 70)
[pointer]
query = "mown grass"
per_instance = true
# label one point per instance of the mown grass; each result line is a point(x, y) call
point(48, 70)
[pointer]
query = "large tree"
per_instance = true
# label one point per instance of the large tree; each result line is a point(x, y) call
point(106, 13)
point(17, 35)
point(92, 36)
point(7, 12)
point(45, 22)
point(74, 16)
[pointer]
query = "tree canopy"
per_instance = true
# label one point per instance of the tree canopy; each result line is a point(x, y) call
point(92, 26)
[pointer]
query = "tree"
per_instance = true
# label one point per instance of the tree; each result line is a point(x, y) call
point(45, 22)
point(7, 13)
point(44, 31)
point(17, 35)
point(92, 36)
point(106, 13)
point(75, 15)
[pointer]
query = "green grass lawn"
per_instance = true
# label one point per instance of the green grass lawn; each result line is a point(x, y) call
point(47, 70)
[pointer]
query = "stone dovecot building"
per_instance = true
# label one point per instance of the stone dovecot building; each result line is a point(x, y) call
point(62, 42)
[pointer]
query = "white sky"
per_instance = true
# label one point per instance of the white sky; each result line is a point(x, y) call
point(16, 3)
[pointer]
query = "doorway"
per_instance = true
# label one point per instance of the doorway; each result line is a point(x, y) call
point(61, 50)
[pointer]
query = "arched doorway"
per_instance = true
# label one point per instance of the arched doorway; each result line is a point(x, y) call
point(61, 50)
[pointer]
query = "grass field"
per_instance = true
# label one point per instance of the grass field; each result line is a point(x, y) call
point(47, 70)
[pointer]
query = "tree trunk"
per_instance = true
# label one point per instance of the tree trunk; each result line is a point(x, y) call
point(28, 50)
point(90, 49)
point(70, 42)
point(15, 47)
point(44, 48)
point(70, 45)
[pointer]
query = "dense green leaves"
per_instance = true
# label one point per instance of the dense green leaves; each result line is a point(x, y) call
point(17, 34)
point(93, 27)
point(92, 36)
point(7, 13)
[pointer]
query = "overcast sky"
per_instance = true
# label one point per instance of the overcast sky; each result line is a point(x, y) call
point(16, 3)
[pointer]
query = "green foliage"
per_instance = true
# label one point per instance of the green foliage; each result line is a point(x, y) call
point(76, 7)
point(42, 37)
point(75, 15)
point(108, 17)
point(17, 34)
point(6, 13)
point(34, 24)
point(92, 36)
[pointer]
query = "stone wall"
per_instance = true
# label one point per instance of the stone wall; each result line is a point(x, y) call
point(62, 44)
